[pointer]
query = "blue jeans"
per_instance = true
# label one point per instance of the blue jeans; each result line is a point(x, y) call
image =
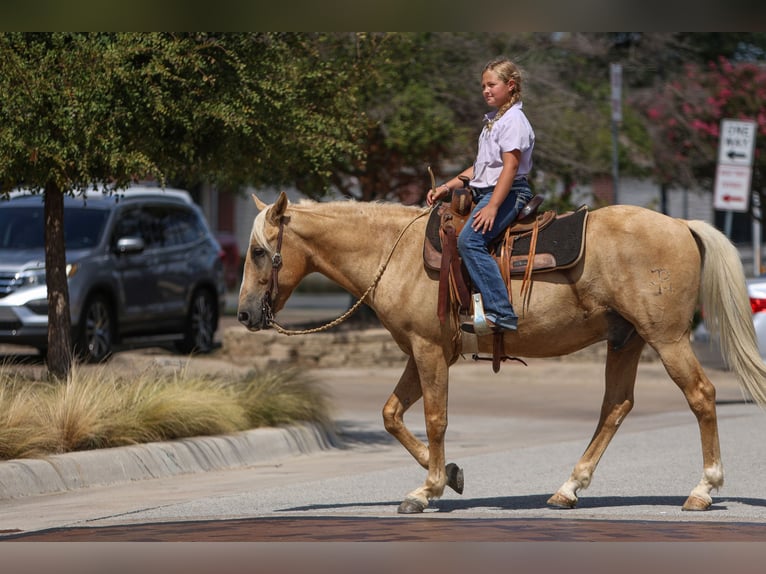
point(481, 266)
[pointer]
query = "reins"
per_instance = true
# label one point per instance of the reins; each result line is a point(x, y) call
point(277, 262)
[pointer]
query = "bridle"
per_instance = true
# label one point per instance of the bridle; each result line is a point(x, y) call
point(267, 315)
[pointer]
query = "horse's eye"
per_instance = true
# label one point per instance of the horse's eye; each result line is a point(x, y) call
point(257, 252)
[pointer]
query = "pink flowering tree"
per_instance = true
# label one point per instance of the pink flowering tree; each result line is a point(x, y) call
point(685, 117)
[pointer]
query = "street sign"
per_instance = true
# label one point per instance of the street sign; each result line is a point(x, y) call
point(732, 187)
point(737, 141)
point(734, 171)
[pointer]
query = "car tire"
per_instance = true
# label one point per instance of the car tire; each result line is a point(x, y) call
point(95, 337)
point(201, 324)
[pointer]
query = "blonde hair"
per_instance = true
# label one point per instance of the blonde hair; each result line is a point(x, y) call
point(506, 71)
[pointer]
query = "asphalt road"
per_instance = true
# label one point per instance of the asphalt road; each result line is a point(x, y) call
point(516, 434)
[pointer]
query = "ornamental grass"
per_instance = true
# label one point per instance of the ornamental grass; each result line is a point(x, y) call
point(101, 408)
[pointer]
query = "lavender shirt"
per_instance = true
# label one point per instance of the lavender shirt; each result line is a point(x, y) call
point(511, 132)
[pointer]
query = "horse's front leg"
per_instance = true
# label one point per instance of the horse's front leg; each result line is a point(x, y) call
point(406, 394)
point(431, 385)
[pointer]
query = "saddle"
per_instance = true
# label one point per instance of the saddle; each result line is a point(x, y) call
point(534, 242)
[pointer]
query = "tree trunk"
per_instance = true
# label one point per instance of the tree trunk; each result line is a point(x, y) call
point(59, 320)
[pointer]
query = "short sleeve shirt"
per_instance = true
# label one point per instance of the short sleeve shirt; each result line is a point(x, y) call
point(511, 132)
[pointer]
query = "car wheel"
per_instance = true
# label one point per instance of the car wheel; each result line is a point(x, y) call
point(96, 334)
point(201, 324)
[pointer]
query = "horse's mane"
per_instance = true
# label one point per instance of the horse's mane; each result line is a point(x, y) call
point(343, 209)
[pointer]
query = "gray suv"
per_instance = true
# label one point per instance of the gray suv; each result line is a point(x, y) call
point(142, 267)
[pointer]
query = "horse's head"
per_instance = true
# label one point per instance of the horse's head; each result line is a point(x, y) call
point(268, 279)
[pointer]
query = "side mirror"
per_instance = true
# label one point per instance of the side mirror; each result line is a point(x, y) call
point(129, 245)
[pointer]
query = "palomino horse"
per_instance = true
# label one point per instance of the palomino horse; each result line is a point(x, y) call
point(638, 283)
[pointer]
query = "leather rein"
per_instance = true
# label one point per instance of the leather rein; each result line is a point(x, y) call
point(270, 295)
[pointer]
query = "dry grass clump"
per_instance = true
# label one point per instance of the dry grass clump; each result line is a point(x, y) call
point(20, 432)
point(98, 408)
point(280, 397)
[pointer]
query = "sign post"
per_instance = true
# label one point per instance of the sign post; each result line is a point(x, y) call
point(615, 81)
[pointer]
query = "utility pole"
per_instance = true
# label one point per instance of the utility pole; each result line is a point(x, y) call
point(615, 77)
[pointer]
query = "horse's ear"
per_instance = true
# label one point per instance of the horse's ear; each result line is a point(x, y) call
point(258, 203)
point(278, 209)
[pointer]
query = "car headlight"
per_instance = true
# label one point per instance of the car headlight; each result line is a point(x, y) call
point(31, 278)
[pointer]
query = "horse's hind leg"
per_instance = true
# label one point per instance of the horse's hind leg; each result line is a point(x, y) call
point(685, 370)
point(621, 368)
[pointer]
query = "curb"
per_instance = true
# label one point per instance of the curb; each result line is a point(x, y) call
point(104, 467)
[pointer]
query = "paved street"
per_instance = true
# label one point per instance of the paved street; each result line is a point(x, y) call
point(516, 434)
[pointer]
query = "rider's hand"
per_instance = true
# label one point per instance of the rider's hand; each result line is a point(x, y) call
point(484, 219)
point(436, 194)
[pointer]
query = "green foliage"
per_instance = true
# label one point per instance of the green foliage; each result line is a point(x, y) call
point(408, 100)
point(83, 109)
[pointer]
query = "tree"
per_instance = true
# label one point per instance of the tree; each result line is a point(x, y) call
point(687, 113)
point(82, 110)
point(407, 107)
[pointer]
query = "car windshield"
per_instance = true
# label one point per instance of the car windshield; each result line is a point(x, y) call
point(23, 227)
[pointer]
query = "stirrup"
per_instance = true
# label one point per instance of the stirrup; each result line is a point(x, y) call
point(480, 324)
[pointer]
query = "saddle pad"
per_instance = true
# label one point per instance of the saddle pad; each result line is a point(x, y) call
point(564, 239)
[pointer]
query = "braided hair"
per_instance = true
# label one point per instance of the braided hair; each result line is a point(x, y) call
point(506, 71)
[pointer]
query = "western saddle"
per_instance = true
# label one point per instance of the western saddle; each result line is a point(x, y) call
point(533, 242)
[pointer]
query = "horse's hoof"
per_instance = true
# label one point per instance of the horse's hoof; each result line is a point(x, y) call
point(454, 477)
point(560, 501)
point(696, 503)
point(411, 506)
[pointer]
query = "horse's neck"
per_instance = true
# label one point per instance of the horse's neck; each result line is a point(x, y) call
point(350, 242)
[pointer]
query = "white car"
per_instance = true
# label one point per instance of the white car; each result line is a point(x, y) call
point(756, 289)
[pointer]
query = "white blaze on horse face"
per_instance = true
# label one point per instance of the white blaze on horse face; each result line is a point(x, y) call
point(256, 272)
point(258, 234)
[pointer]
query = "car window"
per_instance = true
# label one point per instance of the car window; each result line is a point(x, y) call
point(83, 227)
point(23, 227)
point(181, 226)
point(159, 226)
point(128, 225)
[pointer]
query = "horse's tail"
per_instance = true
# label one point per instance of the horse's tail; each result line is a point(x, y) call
point(726, 307)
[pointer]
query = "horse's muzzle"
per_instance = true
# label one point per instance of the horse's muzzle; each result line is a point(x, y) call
point(252, 322)
point(258, 319)
point(249, 321)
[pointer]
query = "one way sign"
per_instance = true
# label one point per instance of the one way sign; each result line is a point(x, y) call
point(737, 142)
point(734, 169)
